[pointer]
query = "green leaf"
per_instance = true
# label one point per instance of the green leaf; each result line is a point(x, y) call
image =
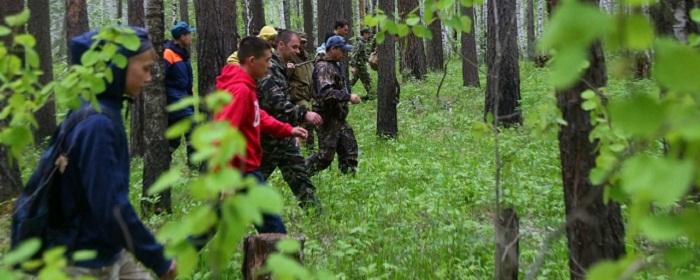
point(662, 228)
point(120, 61)
point(165, 181)
point(639, 34)
point(380, 37)
point(371, 21)
point(589, 105)
point(187, 259)
point(661, 180)
point(23, 252)
point(588, 94)
point(18, 19)
point(178, 129)
point(695, 15)
point(288, 246)
point(403, 30)
point(412, 20)
point(444, 4)
point(129, 41)
point(466, 24)
point(567, 66)
point(192, 101)
point(673, 63)
point(4, 31)
point(639, 115)
point(84, 255)
point(267, 199)
point(25, 40)
point(422, 32)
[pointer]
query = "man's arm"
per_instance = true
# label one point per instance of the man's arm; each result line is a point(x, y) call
point(276, 99)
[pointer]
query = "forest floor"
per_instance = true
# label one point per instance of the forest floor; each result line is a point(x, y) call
point(421, 206)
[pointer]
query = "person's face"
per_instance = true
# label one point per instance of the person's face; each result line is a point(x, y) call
point(337, 54)
point(185, 40)
point(257, 66)
point(138, 72)
point(289, 50)
point(366, 36)
point(343, 31)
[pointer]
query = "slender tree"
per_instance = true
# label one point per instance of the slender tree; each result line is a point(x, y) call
point(594, 227)
point(362, 9)
point(309, 24)
point(530, 27)
point(10, 178)
point(287, 15)
point(184, 11)
point(470, 62)
point(216, 31)
point(413, 59)
point(76, 20)
point(136, 17)
point(156, 155)
point(503, 81)
point(40, 26)
point(387, 125)
point(120, 10)
point(256, 16)
point(329, 11)
point(436, 56)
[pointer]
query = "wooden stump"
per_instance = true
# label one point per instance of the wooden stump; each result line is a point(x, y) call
point(507, 245)
point(257, 248)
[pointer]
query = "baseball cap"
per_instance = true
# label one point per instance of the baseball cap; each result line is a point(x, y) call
point(181, 28)
point(337, 41)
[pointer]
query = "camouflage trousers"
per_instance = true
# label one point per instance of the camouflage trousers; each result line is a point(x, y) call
point(334, 137)
point(286, 155)
point(362, 74)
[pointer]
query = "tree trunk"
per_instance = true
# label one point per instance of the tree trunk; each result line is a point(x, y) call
point(594, 228)
point(348, 15)
point(503, 82)
point(76, 20)
point(286, 14)
point(470, 62)
point(10, 177)
point(40, 26)
point(216, 30)
point(257, 248)
point(309, 25)
point(184, 11)
point(256, 16)
point(436, 59)
point(530, 24)
point(328, 12)
point(120, 11)
point(362, 9)
point(387, 125)
point(507, 245)
point(413, 59)
point(137, 15)
point(156, 155)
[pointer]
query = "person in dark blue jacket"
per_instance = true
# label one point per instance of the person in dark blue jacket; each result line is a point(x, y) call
point(178, 77)
point(93, 189)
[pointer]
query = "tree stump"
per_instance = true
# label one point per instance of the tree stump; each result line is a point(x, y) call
point(257, 248)
point(507, 245)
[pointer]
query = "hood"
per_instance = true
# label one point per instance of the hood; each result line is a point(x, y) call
point(182, 52)
point(115, 90)
point(232, 75)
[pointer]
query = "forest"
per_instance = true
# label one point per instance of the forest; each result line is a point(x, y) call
point(485, 139)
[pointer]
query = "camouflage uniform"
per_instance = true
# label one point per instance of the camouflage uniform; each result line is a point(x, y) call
point(300, 90)
point(273, 95)
point(331, 99)
point(359, 61)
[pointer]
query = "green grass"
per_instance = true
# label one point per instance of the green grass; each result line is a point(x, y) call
point(421, 206)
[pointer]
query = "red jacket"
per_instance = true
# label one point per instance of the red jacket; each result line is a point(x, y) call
point(244, 113)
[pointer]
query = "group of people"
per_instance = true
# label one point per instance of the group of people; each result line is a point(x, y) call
point(280, 93)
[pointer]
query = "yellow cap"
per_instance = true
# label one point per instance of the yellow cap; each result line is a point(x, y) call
point(267, 33)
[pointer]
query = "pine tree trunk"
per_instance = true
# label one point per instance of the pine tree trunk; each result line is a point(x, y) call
point(387, 125)
point(413, 59)
point(530, 21)
point(184, 11)
point(10, 177)
point(256, 16)
point(328, 12)
point(503, 82)
point(362, 9)
point(76, 20)
point(137, 15)
point(595, 230)
point(309, 25)
point(216, 30)
point(436, 59)
point(470, 62)
point(156, 155)
point(287, 15)
point(40, 26)
point(348, 15)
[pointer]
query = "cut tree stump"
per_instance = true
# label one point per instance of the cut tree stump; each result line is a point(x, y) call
point(507, 245)
point(257, 248)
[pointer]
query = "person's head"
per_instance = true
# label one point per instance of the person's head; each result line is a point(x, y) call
point(268, 33)
point(302, 39)
point(365, 33)
point(287, 45)
point(341, 28)
point(254, 56)
point(336, 48)
point(182, 33)
point(138, 72)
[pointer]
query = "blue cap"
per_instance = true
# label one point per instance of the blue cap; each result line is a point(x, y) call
point(181, 28)
point(337, 41)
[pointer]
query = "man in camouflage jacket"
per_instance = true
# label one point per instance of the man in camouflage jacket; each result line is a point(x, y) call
point(359, 61)
point(300, 85)
point(273, 95)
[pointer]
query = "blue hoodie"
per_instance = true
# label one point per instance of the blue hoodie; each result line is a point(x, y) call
point(178, 78)
point(94, 189)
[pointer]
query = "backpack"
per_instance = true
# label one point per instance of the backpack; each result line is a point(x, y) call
point(32, 209)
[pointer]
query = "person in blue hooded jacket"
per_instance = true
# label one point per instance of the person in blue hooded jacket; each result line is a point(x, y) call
point(178, 77)
point(93, 189)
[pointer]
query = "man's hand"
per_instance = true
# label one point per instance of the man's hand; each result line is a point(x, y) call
point(353, 70)
point(355, 99)
point(313, 118)
point(291, 65)
point(171, 273)
point(300, 132)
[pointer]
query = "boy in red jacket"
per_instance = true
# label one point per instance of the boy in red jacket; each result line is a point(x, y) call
point(244, 113)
